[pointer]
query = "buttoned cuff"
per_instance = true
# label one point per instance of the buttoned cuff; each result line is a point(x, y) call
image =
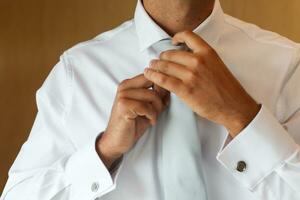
point(258, 150)
point(88, 175)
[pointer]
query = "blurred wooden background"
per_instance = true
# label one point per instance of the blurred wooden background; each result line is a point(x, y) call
point(33, 33)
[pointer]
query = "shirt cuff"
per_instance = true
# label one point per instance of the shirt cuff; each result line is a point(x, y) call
point(258, 150)
point(88, 175)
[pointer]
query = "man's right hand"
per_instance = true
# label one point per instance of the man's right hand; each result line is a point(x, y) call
point(135, 108)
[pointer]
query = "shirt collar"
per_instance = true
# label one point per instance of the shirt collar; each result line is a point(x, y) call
point(149, 32)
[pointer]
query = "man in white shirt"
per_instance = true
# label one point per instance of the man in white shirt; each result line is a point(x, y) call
point(239, 83)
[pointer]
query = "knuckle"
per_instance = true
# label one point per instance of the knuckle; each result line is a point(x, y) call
point(162, 54)
point(119, 88)
point(195, 69)
point(164, 67)
point(120, 94)
point(162, 79)
point(186, 32)
point(197, 61)
point(153, 63)
point(125, 81)
point(165, 55)
point(189, 90)
point(149, 95)
point(207, 51)
point(122, 84)
point(191, 77)
point(173, 85)
point(122, 103)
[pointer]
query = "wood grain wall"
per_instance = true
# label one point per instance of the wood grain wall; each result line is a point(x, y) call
point(281, 16)
point(33, 33)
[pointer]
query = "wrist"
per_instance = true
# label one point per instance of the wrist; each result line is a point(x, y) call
point(105, 152)
point(242, 120)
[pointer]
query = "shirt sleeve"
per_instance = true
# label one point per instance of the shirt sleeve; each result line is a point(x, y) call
point(49, 165)
point(265, 156)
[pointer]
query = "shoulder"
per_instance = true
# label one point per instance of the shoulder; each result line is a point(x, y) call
point(278, 54)
point(57, 88)
point(107, 37)
point(272, 48)
point(258, 34)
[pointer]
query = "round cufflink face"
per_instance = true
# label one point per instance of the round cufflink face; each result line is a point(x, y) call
point(241, 166)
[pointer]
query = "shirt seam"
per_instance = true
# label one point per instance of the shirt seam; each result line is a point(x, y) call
point(276, 166)
point(286, 163)
point(289, 74)
point(104, 36)
point(70, 78)
point(227, 21)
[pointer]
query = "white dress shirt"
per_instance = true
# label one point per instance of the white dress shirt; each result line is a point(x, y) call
point(59, 161)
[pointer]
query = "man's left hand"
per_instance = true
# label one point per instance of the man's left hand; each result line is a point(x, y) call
point(204, 83)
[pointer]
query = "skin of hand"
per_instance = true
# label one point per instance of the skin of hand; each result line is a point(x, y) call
point(204, 83)
point(136, 106)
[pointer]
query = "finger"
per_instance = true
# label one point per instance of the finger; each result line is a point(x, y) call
point(192, 40)
point(163, 93)
point(138, 108)
point(145, 95)
point(142, 121)
point(171, 69)
point(160, 91)
point(167, 82)
point(138, 81)
point(187, 59)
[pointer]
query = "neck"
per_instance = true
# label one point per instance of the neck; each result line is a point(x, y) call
point(177, 15)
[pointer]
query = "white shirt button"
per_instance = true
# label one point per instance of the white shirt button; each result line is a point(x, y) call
point(95, 187)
